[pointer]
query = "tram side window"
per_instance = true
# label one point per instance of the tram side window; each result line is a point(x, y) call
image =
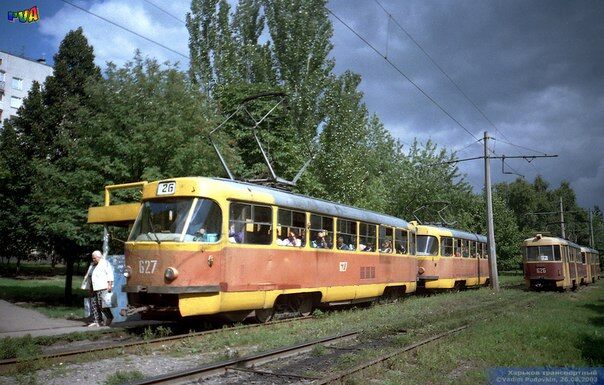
point(483, 250)
point(402, 236)
point(321, 232)
point(446, 246)
point(465, 248)
point(582, 257)
point(385, 239)
point(411, 243)
point(206, 222)
point(251, 224)
point(291, 229)
point(458, 247)
point(367, 239)
point(347, 235)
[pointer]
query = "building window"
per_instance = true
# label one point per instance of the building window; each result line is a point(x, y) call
point(15, 102)
point(18, 84)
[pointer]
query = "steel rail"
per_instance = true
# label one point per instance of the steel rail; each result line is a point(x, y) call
point(339, 377)
point(8, 365)
point(222, 367)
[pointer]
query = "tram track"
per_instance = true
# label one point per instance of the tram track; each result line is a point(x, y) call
point(249, 369)
point(244, 363)
point(9, 365)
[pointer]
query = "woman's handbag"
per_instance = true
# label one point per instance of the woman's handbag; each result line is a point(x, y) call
point(108, 299)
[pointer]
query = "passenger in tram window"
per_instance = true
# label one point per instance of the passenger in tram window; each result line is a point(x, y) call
point(386, 246)
point(340, 245)
point(367, 247)
point(293, 240)
point(200, 235)
point(319, 242)
point(235, 236)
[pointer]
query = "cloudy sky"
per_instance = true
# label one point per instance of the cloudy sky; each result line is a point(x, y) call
point(535, 69)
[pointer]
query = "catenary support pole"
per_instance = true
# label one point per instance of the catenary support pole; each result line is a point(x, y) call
point(562, 226)
point(591, 228)
point(493, 276)
point(105, 241)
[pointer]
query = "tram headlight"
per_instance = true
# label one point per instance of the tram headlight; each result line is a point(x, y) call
point(421, 270)
point(170, 274)
point(128, 272)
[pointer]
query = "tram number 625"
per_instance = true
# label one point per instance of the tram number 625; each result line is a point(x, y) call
point(147, 266)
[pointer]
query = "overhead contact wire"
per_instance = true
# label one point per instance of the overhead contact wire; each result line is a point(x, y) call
point(430, 98)
point(125, 28)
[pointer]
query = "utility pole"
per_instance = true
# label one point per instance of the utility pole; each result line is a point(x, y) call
point(562, 226)
point(591, 228)
point(493, 276)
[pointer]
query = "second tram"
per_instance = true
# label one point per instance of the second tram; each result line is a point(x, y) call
point(449, 258)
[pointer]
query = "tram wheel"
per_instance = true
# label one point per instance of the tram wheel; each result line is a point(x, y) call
point(236, 316)
point(306, 306)
point(264, 315)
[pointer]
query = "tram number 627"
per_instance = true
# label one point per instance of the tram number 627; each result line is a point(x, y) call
point(147, 267)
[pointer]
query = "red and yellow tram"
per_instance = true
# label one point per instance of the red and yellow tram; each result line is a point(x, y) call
point(449, 258)
point(206, 246)
point(552, 263)
point(591, 259)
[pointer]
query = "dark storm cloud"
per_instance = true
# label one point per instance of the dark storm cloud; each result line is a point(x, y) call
point(534, 67)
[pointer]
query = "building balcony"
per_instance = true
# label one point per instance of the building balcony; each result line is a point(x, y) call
point(2, 85)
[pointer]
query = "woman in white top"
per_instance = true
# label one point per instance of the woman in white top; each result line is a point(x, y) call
point(99, 282)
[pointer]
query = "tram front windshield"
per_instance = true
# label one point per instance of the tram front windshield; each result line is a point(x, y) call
point(426, 245)
point(543, 253)
point(164, 220)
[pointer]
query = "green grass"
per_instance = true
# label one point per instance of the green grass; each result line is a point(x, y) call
point(34, 269)
point(44, 295)
point(28, 347)
point(557, 329)
point(120, 377)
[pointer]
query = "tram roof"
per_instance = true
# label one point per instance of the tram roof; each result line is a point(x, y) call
point(585, 249)
point(553, 240)
point(460, 233)
point(305, 203)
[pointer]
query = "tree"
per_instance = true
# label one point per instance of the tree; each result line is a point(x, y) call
point(57, 184)
point(227, 60)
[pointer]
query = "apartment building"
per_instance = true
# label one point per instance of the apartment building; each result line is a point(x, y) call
point(17, 75)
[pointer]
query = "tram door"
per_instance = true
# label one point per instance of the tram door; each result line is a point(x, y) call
point(566, 265)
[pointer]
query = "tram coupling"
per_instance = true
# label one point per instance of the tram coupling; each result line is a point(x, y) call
point(131, 310)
